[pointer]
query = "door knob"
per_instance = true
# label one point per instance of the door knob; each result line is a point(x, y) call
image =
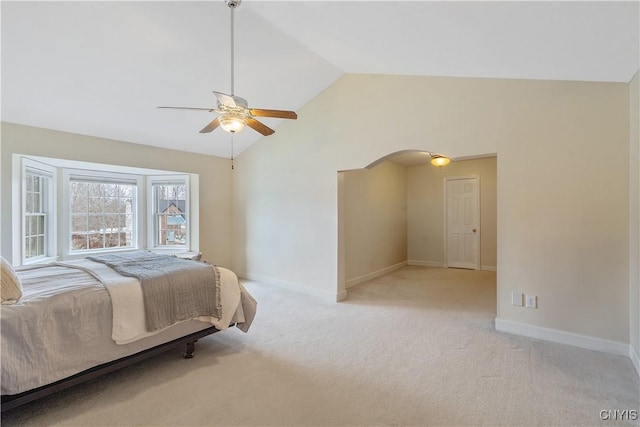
point(474, 230)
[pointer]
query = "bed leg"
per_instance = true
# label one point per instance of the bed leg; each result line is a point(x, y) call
point(191, 346)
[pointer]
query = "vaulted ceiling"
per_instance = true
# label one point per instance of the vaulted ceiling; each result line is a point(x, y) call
point(102, 68)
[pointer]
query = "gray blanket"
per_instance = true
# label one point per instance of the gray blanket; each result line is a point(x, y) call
point(173, 289)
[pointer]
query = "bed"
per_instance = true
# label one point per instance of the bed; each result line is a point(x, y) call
point(80, 319)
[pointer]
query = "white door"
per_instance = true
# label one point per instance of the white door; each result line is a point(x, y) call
point(462, 222)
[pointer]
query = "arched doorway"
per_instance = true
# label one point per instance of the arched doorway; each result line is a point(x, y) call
point(391, 214)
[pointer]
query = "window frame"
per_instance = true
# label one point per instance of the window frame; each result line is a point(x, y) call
point(50, 210)
point(181, 179)
point(69, 175)
point(59, 231)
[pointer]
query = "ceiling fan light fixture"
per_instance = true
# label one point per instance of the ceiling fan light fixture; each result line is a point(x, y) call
point(234, 112)
point(232, 123)
point(438, 160)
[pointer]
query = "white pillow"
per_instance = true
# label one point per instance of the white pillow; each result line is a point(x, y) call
point(10, 284)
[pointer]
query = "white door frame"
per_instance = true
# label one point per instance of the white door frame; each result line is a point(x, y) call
point(476, 219)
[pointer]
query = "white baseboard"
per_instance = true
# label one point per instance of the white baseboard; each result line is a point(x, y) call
point(297, 287)
point(369, 276)
point(563, 337)
point(425, 263)
point(441, 264)
point(341, 296)
point(634, 359)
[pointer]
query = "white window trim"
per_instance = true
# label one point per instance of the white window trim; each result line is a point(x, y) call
point(20, 165)
point(151, 237)
point(60, 207)
point(193, 214)
point(98, 176)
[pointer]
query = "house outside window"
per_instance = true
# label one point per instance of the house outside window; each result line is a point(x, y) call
point(171, 212)
point(66, 209)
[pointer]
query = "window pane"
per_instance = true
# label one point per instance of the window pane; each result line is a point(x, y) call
point(33, 246)
point(170, 206)
point(112, 239)
point(95, 224)
point(96, 241)
point(34, 214)
point(104, 214)
point(40, 245)
point(126, 191)
point(28, 199)
point(122, 221)
point(111, 223)
point(78, 187)
point(78, 223)
point(125, 205)
point(40, 224)
point(94, 189)
point(79, 197)
point(36, 202)
point(95, 204)
point(111, 205)
point(33, 225)
point(79, 241)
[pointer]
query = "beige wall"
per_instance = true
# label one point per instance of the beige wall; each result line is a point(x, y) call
point(563, 214)
point(563, 211)
point(375, 220)
point(634, 213)
point(394, 214)
point(564, 231)
point(425, 210)
point(214, 173)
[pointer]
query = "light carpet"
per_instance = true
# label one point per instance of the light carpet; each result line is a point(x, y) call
point(414, 347)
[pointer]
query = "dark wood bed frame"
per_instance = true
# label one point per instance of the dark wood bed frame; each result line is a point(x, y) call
point(14, 400)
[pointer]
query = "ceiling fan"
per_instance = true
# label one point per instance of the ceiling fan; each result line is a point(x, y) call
point(234, 112)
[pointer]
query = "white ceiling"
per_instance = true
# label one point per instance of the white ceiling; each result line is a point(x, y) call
point(102, 68)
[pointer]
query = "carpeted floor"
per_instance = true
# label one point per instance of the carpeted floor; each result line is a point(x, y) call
point(415, 347)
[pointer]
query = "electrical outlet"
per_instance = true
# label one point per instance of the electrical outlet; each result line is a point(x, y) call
point(516, 299)
point(531, 301)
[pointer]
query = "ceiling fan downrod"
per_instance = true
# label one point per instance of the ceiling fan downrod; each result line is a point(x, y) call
point(233, 4)
point(234, 112)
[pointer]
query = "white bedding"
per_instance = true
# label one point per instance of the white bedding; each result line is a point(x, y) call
point(128, 306)
point(63, 325)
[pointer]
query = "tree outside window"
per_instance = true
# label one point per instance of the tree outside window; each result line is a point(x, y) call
point(102, 215)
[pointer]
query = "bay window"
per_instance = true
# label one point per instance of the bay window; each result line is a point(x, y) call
point(68, 209)
point(102, 211)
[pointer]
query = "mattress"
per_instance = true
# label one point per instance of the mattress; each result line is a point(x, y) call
point(62, 325)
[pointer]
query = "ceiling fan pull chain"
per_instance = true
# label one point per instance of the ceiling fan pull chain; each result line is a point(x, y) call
point(232, 152)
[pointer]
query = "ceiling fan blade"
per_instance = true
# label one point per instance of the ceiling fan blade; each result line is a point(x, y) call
point(224, 99)
point(281, 114)
point(211, 126)
point(260, 127)
point(191, 108)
